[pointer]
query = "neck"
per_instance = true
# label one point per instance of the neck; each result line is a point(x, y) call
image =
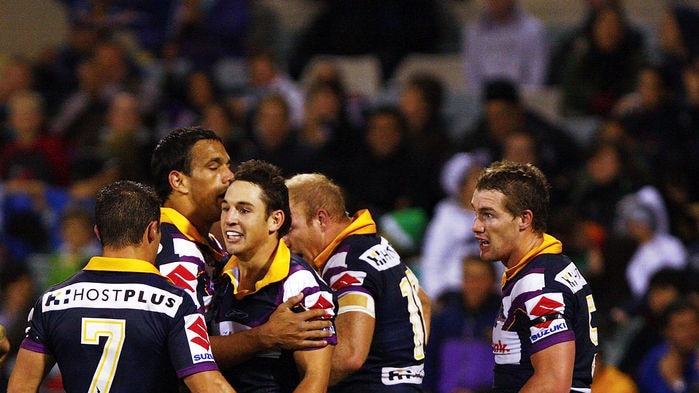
point(254, 266)
point(533, 241)
point(129, 252)
point(189, 212)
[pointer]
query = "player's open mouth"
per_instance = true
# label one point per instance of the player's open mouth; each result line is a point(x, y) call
point(233, 234)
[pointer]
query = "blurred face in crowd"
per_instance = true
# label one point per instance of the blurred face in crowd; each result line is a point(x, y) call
point(502, 118)
point(683, 330)
point(478, 281)
point(384, 134)
point(605, 165)
point(272, 121)
point(608, 29)
point(123, 113)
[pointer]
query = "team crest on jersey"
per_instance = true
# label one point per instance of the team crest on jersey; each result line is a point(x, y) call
point(571, 277)
point(381, 256)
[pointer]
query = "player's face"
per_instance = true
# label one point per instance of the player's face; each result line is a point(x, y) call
point(244, 220)
point(210, 177)
point(303, 236)
point(495, 228)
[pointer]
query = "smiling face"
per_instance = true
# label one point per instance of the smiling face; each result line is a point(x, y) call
point(209, 177)
point(245, 224)
point(496, 229)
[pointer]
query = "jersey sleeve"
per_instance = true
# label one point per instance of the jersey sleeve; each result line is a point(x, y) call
point(189, 344)
point(183, 263)
point(317, 295)
point(552, 310)
point(36, 340)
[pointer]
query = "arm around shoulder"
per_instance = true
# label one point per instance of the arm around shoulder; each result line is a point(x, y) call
point(285, 329)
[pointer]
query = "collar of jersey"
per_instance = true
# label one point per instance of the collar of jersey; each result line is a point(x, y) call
point(278, 270)
point(111, 264)
point(550, 245)
point(362, 224)
point(172, 216)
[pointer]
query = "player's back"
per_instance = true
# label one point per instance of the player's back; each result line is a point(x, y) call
point(125, 331)
point(368, 263)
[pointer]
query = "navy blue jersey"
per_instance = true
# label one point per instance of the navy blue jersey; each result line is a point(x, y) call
point(547, 302)
point(364, 269)
point(187, 259)
point(274, 370)
point(124, 330)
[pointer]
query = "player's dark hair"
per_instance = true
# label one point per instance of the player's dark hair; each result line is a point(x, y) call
point(275, 194)
point(525, 188)
point(174, 153)
point(123, 211)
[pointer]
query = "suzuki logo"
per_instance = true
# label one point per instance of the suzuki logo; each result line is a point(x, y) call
point(345, 281)
point(198, 327)
point(181, 277)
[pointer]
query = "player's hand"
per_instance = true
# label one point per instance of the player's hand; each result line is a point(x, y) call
point(296, 330)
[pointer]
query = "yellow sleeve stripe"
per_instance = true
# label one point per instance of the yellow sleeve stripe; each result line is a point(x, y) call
point(359, 302)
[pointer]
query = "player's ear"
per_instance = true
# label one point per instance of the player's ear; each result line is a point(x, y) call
point(153, 232)
point(178, 181)
point(276, 219)
point(97, 232)
point(526, 218)
point(322, 216)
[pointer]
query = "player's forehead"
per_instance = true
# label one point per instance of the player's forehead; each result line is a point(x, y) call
point(245, 192)
point(208, 150)
point(488, 200)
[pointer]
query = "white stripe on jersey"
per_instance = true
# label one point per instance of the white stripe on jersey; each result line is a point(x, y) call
point(529, 283)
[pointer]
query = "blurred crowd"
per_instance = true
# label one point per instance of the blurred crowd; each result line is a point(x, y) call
point(625, 196)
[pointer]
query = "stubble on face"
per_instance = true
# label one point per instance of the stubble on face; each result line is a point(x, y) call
point(210, 177)
point(494, 226)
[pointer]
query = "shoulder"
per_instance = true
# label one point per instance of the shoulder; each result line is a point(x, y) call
point(368, 252)
point(549, 272)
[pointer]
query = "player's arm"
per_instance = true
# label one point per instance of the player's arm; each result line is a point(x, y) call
point(314, 368)
point(208, 382)
point(29, 370)
point(355, 330)
point(553, 369)
point(426, 311)
point(285, 329)
point(4, 344)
